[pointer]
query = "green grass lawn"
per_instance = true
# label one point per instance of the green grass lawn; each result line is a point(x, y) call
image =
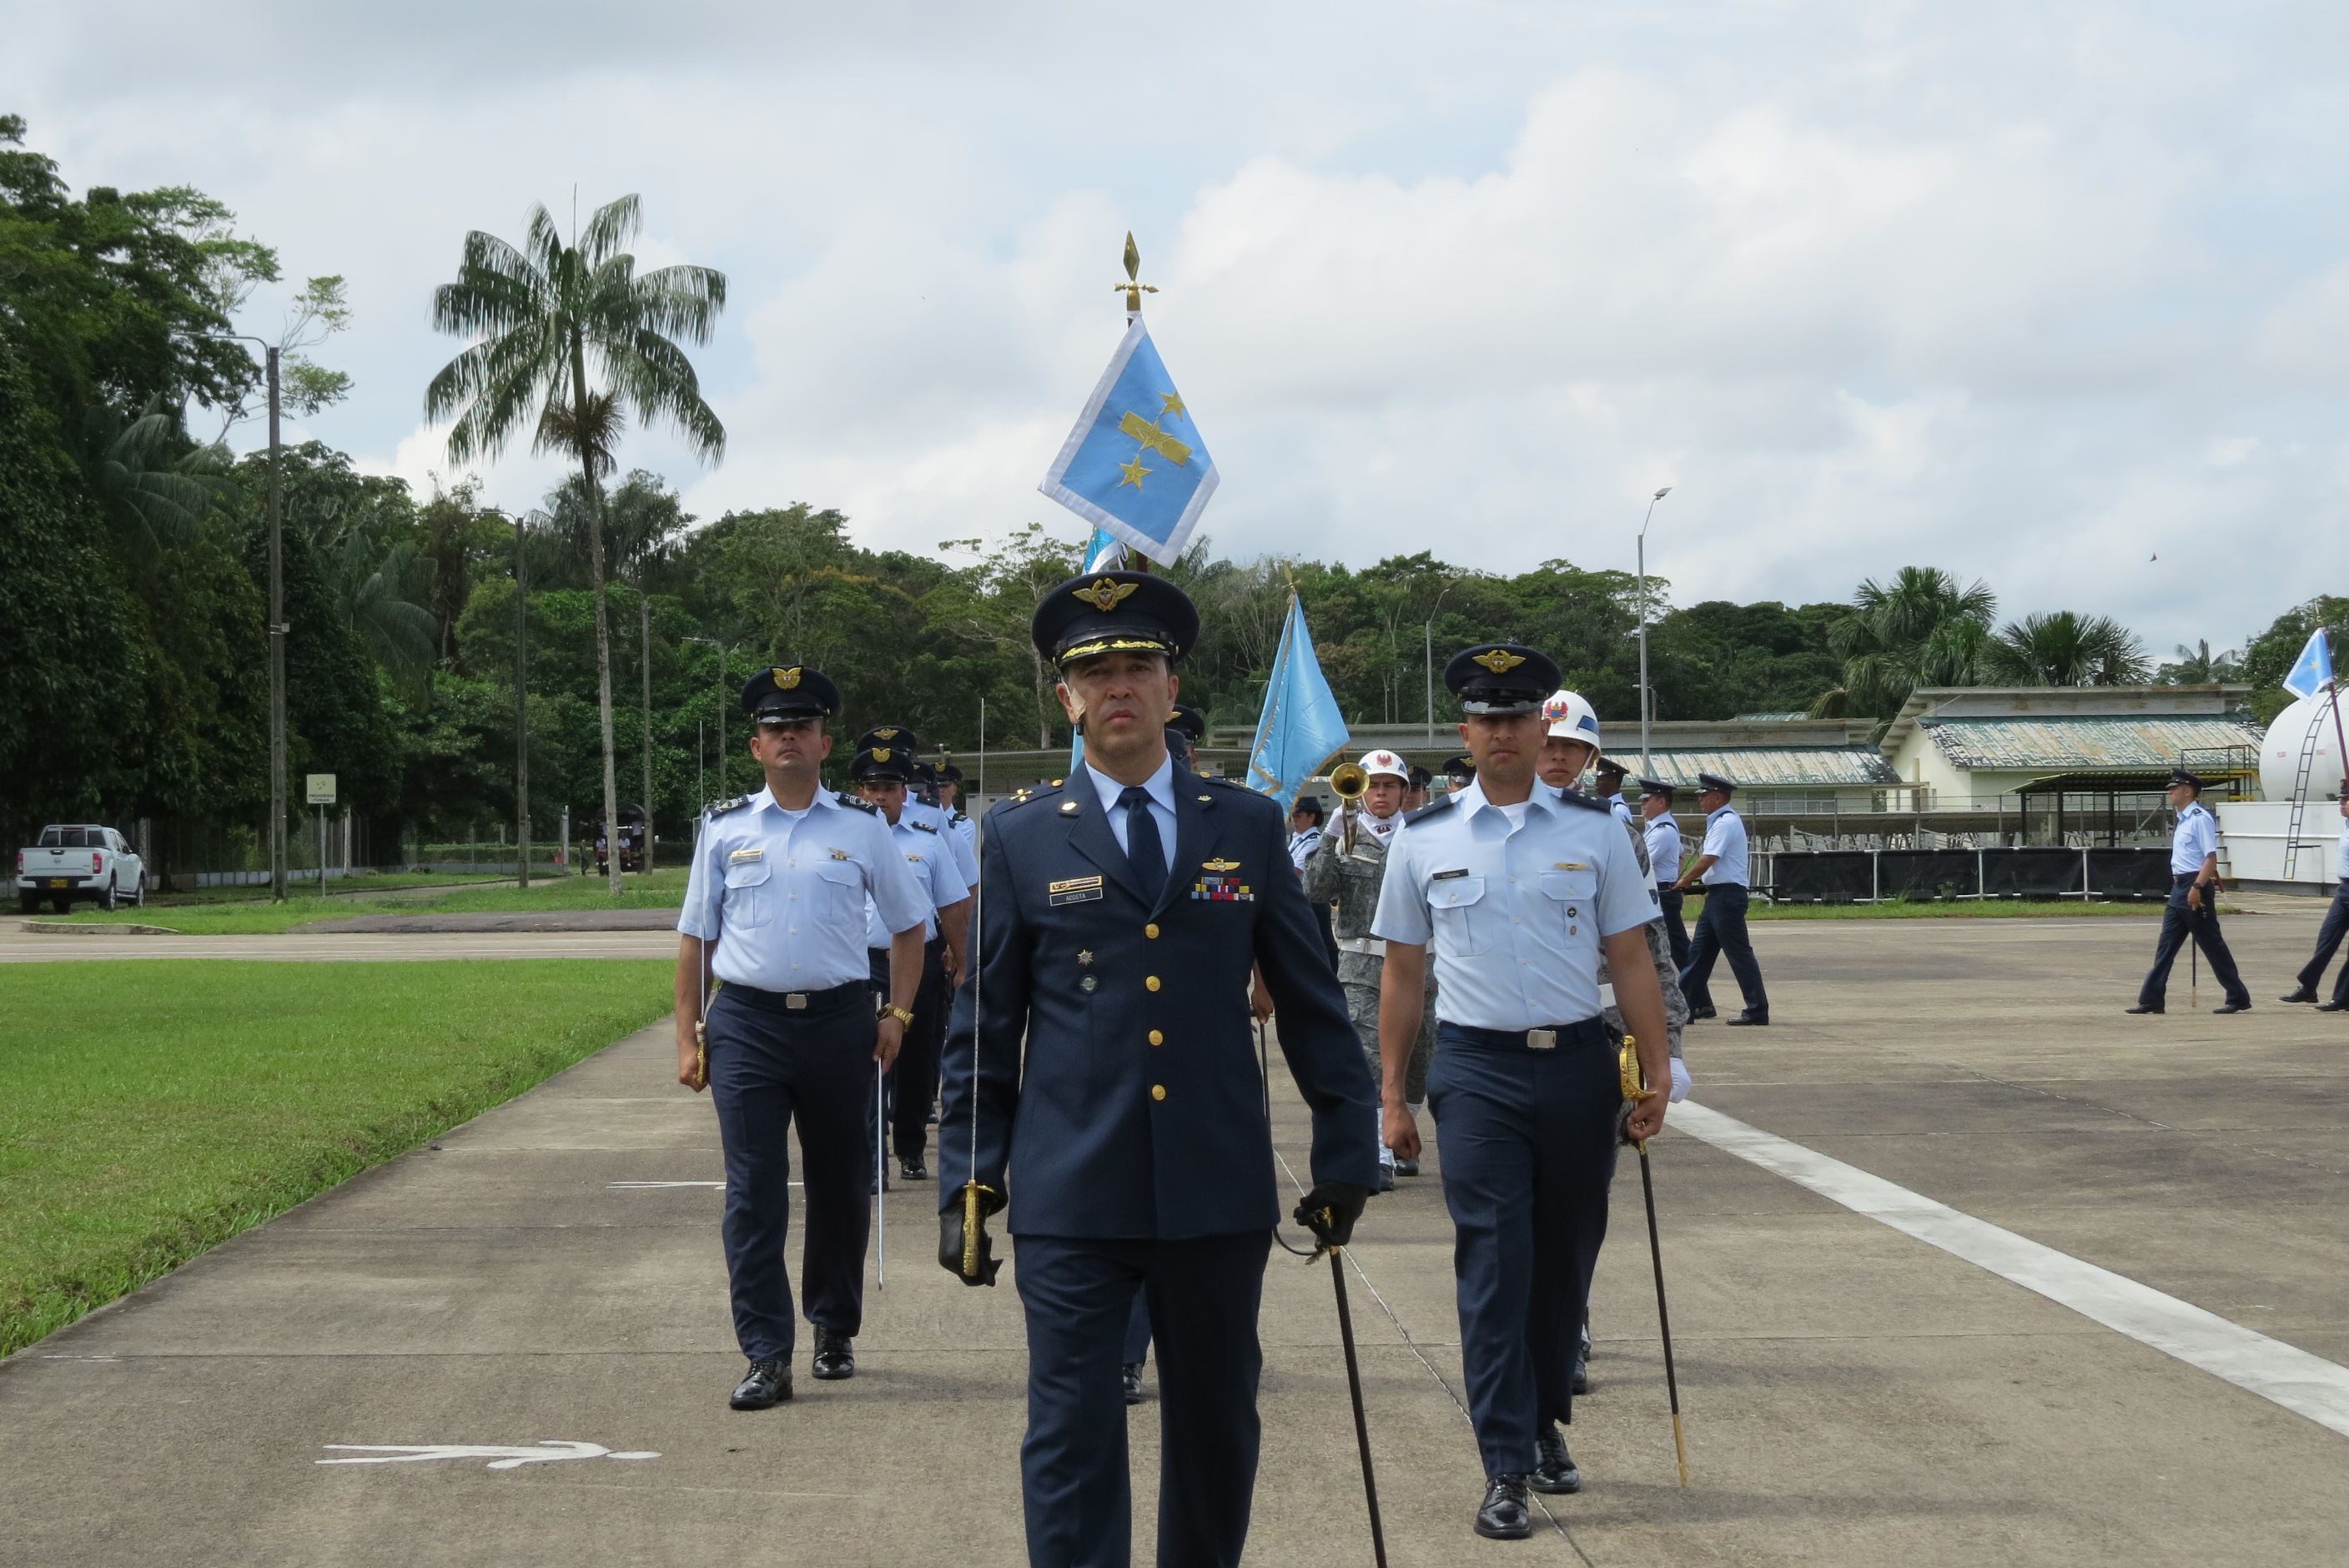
point(661, 889)
point(1969, 909)
point(150, 1109)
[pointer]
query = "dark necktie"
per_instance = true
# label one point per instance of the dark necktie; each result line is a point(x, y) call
point(1145, 850)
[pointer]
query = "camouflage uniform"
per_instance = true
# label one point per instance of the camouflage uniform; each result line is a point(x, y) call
point(1659, 948)
point(1351, 881)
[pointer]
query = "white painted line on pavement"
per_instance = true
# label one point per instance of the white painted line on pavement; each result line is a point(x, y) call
point(2305, 1383)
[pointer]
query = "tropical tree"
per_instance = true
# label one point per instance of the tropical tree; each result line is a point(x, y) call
point(1922, 629)
point(2063, 648)
point(542, 317)
point(2197, 666)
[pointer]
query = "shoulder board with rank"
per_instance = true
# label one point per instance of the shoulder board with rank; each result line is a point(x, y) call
point(736, 804)
point(921, 827)
point(1022, 797)
point(867, 807)
point(1577, 798)
point(1431, 808)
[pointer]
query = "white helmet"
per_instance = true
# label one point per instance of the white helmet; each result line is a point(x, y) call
point(1375, 763)
point(1572, 719)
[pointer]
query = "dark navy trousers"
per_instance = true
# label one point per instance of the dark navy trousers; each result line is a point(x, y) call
point(2177, 924)
point(1675, 928)
point(1720, 931)
point(1079, 1296)
point(910, 1087)
point(768, 1066)
point(2328, 942)
point(1528, 1144)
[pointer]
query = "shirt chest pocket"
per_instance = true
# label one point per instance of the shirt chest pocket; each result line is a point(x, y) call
point(749, 902)
point(1464, 918)
point(838, 890)
point(1569, 895)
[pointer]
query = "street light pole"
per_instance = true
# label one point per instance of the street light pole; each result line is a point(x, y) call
point(522, 705)
point(1427, 636)
point(276, 622)
point(717, 729)
point(1647, 700)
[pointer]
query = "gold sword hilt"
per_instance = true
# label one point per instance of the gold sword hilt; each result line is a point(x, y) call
point(972, 1217)
point(1634, 1079)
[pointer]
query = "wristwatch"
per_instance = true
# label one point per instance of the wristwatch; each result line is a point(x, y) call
point(891, 1010)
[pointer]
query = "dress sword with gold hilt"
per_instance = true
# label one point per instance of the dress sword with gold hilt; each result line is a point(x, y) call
point(1636, 1088)
point(977, 1263)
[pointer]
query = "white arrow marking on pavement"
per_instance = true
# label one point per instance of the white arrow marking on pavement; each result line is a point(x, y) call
point(547, 1450)
point(2290, 1376)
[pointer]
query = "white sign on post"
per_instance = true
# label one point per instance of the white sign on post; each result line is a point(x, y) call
point(322, 789)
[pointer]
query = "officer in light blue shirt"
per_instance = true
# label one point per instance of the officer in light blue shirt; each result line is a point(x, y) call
point(1517, 890)
point(774, 914)
point(2192, 911)
point(1606, 783)
point(2337, 924)
point(949, 793)
point(1720, 867)
point(882, 775)
point(1663, 838)
point(898, 737)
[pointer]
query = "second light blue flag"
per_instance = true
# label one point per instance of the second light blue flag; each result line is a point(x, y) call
point(1301, 726)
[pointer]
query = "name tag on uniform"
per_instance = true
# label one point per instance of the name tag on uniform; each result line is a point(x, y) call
point(1447, 876)
point(842, 855)
point(1570, 865)
point(738, 856)
point(1075, 890)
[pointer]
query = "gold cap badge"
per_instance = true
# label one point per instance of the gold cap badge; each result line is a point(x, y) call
point(1105, 595)
point(786, 679)
point(1500, 661)
point(880, 754)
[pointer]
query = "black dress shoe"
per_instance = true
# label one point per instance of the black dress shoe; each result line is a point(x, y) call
point(1386, 1179)
point(769, 1384)
point(1754, 1020)
point(2233, 1008)
point(2305, 994)
point(1406, 1167)
point(913, 1170)
point(836, 1355)
point(1504, 1516)
point(1131, 1373)
point(1580, 1382)
point(2334, 1006)
point(1554, 1470)
point(1696, 1013)
point(2134, 1011)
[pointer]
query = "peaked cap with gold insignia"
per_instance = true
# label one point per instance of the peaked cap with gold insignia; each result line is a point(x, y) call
point(1499, 678)
point(790, 692)
point(1113, 612)
point(882, 765)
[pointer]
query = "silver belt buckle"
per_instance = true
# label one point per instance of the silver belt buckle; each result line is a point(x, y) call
point(795, 1001)
point(1541, 1039)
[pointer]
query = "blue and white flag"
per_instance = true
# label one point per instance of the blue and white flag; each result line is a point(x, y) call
point(1104, 551)
point(2314, 672)
point(1301, 726)
point(1134, 466)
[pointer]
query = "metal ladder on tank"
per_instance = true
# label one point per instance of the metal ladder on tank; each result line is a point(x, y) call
point(2300, 784)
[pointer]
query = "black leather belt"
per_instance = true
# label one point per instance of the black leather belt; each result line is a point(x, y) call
point(1588, 1031)
point(799, 1001)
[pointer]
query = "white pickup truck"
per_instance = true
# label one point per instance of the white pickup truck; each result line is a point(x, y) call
point(79, 860)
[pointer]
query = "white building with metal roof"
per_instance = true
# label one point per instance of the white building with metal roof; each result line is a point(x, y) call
point(1973, 745)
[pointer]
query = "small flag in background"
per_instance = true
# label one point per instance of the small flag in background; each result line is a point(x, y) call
point(1301, 725)
point(1104, 551)
point(2314, 672)
point(1134, 466)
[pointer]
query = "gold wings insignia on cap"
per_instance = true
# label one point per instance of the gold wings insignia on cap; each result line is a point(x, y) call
point(1500, 661)
point(880, 754)
point(786, 679)
point(1219, 865)
point(1104, 595)
point(890, 734)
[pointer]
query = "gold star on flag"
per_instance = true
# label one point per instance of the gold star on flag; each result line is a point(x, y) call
point(1133, 473)
point(1174, 402)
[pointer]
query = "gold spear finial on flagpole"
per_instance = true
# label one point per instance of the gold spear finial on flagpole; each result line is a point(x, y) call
point(1133, 288)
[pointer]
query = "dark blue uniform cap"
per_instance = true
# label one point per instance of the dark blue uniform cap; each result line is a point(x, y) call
point(882, 765)
point(1653, 787)
point(1114, 612)
point(1498, 678)
point(1715, 781)
point(1460, 766)
point(950, 774)
point(1609, 764)
point(2179, 776)
point(1178, 745)
point(895, 736)
point(790, 693)
point(1189, 721)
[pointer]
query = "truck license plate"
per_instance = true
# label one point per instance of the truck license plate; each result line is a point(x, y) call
point(57, 881)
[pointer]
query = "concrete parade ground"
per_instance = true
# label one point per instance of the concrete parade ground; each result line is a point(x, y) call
point(1965, 1266)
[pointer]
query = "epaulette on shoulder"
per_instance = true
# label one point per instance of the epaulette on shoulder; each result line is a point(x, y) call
point(723, 807)
point(1430, 810)
point(1222, 780)
point(1022, 797)
point(867, 807)
point(922, 827)
point(1577, 798)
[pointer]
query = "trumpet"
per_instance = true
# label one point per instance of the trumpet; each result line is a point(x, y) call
point(1348, 781)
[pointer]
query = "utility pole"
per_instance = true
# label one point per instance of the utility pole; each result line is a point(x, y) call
point(717, 729)
point(1427, 636)
point(276, 644)
point(644, 616)
point(521, 704)
point(1646, 702)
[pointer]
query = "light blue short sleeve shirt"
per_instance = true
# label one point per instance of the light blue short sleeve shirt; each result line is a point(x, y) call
point(783, 895)
point(964, 850)
point(932, 863)
point(2193, 840)
point(1724, 838)
point(1512, 915)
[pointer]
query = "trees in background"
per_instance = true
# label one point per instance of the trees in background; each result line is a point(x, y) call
point(2065, 648)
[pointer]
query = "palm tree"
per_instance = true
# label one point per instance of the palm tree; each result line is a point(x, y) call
point(1922, 629)
point(2062, 648)
point(540, 314)
point(2197, 666)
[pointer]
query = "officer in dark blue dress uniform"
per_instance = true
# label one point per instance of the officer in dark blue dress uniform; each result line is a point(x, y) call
point(775, 913)
point(1515, 890)
point(1119, 917)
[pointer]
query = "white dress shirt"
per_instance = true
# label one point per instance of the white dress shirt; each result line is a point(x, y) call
point(1161, 786)
point(1512, 901)
point(782, 893)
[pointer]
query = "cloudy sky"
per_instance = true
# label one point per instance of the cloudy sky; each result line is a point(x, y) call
point(2037, 291)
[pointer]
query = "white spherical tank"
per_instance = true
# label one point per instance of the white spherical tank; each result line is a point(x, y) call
point(2280, 753)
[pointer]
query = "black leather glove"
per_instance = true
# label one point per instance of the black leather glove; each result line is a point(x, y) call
point(1331, 1209)
point(950, 1237)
